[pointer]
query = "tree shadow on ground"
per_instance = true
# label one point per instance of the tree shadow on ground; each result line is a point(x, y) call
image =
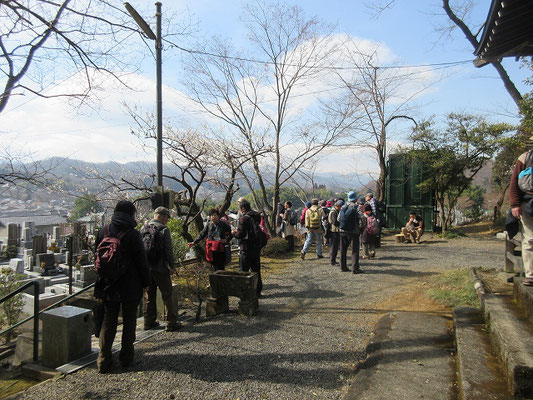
point(323, 369)
point(401, 258)
point(404, 273)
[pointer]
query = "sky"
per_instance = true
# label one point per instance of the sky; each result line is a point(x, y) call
point(406, 34)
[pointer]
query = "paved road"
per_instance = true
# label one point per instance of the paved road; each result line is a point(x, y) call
point(311, 333)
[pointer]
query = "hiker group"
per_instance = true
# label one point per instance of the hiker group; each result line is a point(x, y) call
point(132, 264)
point(343, 225)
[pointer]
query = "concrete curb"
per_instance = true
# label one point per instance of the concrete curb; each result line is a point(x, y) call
point(510, 333)
point(479, 375)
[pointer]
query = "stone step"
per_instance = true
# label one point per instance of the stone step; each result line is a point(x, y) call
point(479, 373)
point(523, 296)
point(511, 333)
point(409, 357)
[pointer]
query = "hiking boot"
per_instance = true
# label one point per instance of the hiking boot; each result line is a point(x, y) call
point(302, 255)
point(358, 271)
point(334, 263)
point(173, 327)
point(151, 325)
point(344, 269)
point(319, 256)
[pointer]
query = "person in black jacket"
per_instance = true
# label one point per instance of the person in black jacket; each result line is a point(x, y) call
point(218, 231)
point(250, 249)
point(126, 291)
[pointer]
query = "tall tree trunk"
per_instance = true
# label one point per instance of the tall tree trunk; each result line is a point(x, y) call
point(499, 203)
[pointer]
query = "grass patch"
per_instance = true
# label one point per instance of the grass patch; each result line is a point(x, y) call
point(454, 289)
point(451, 234)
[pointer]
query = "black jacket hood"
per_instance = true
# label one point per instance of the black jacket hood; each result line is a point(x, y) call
point(123, 221)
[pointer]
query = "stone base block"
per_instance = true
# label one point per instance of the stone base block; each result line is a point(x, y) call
point(217, 306)
point(248, 307)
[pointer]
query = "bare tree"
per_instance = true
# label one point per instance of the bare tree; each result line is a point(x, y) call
point(374, 98)
point(43, 42)
point(254, 98)
point(458, 13)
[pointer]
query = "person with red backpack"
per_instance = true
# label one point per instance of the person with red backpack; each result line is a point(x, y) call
point(122, 274)
point(162, 267)
point(370, 233)
point(218, 235)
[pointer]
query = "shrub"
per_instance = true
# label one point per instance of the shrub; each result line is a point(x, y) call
point(10, 252)
point(10, 309)
point(451, 234)
point(54, 247)
point(275, 246)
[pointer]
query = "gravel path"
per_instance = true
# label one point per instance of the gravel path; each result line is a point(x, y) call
point(310, 333)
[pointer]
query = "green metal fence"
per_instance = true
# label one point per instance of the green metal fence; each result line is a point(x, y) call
point(403, 195)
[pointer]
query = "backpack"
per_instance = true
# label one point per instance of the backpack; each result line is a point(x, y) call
point(293, 219)
point(348, 218)
point(326, 225)
point(525, 177)
point(372, 225)
point(153, 243)
point(381, 207)
point(257, 234)
point(314, 220)
point(108, 261)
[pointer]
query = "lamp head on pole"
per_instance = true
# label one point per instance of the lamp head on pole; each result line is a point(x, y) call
point(140, 21)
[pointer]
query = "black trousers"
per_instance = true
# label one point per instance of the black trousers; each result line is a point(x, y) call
point(219, 260)
point(109, 330)
point(290, 242)
point(251, 260)
point(348, 239)
point(334, 249)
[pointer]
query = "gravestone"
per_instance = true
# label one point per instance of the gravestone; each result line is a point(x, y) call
point(47, 262)
point(77, 234)
point(25, 254)
point(56, 236)
point(26, 238)
point(30, 266)
point(13, 234)
point(31, 226)
point(17, 265)
point(38, 247)
point(87, 275)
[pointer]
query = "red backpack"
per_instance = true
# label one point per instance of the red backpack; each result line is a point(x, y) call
point(108, 261)
point(372, 225)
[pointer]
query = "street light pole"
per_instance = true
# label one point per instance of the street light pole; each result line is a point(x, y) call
point(159, 98)
point(159, 62)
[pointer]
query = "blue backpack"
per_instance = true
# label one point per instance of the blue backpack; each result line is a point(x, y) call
point(525, 178)
point(349, 218)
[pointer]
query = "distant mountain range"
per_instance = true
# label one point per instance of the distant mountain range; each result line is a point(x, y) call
point(79, 176)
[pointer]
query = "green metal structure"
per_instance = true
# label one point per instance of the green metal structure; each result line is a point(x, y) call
point(402, 194)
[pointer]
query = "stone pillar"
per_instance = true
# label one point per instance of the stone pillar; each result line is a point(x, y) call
point(67, 334)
